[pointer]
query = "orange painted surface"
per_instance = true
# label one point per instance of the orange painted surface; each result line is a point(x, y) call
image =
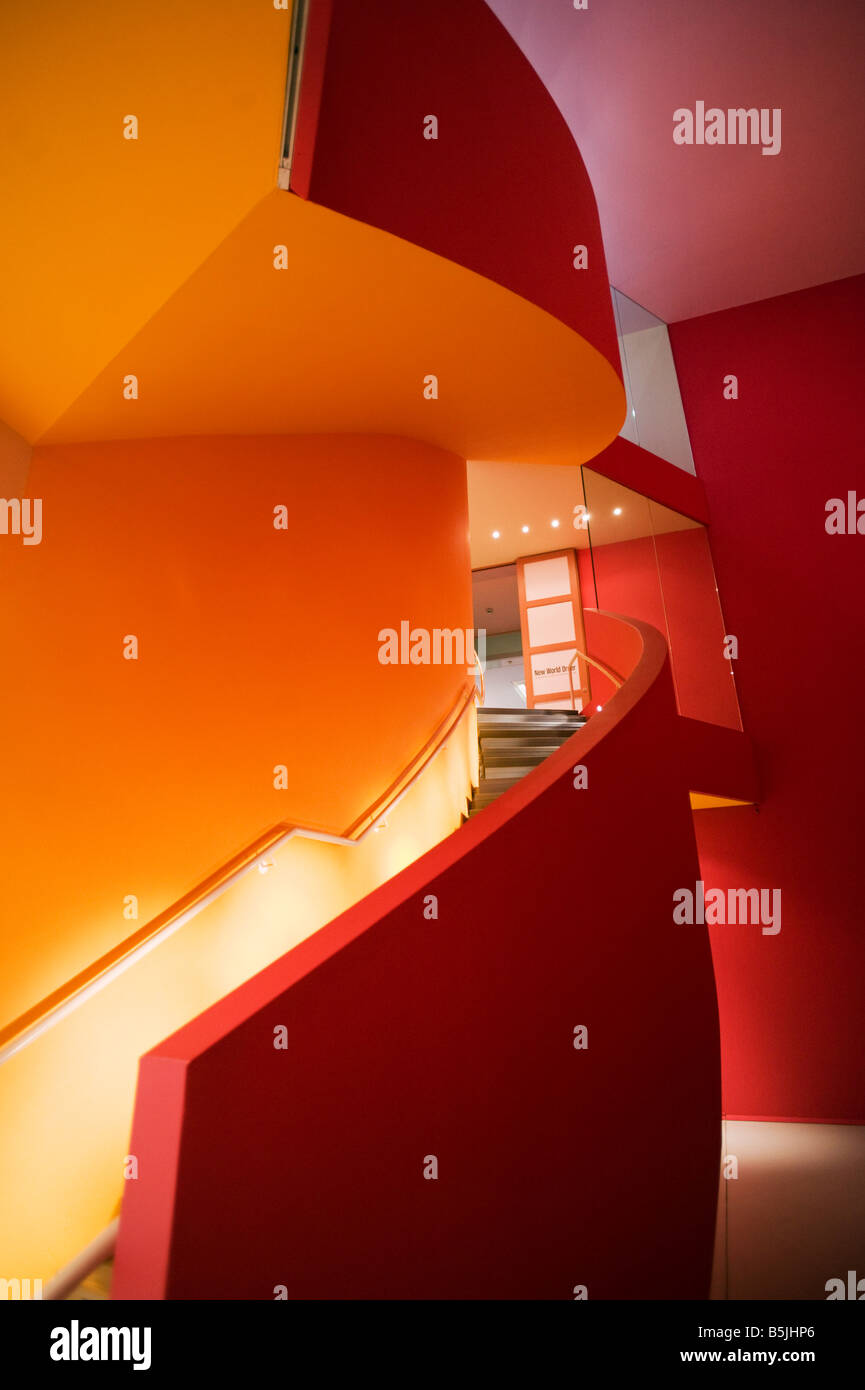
point(342, 340)
point(258, 647)
point(701, 802)
point(154, 256)
point(55, 1209)
point(97, 230)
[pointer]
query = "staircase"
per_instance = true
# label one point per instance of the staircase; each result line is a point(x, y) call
point(512, 742)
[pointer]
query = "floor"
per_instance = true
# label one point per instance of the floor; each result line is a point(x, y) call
point(794, 1217)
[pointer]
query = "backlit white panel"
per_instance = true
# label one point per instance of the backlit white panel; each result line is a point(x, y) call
point(550, 671)
point(551, 623)
point(547, 578)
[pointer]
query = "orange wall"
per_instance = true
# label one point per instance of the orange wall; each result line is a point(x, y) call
point(14, 462)
point(98, 230)
point(257, 647)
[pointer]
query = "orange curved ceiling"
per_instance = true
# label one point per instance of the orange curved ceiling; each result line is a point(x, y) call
point(155, 258)
point(342, 340)
point(97, 230)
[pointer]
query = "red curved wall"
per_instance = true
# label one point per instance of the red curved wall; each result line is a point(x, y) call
point(410, 1037)
point(792, 1004)
point(503, 190)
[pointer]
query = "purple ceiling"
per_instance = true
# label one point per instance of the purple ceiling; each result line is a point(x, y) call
point(689, 229)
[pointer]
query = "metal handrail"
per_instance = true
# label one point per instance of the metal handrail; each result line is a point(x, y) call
point(29, 1026)
point(91, 1257)
point(607, 671)
point(480, 671)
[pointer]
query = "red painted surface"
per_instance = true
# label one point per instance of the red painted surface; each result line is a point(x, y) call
point(309, 96)
point(791, 1004)
point(626, 576)
point(668, 581)
point(703, 676)
point(694, 228)
point(482, 194)
point(718, 761)
point(407, 1038)
point(587, 578)
point(653, 477)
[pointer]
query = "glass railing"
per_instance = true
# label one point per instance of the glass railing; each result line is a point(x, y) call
point(655, 417)
point(652, 563)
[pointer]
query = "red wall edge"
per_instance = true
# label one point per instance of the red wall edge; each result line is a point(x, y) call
point(309, 101)
point(792, 1004)
point(410, 1038)
point(653, 477)
point(146, 1242)
point(502, 191)
point(717, 761)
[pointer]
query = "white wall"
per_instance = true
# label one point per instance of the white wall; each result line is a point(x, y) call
point(499, 678)
point(655, 418)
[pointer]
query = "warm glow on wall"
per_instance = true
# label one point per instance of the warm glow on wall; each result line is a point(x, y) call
point(67, 1098)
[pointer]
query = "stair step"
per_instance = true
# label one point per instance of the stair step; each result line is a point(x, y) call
point(526, 758)
point(536, 744)
point(503, 727)
point(529, 716)
point(484, 794)
point(498, 779)
point(520, 712)
point(506, 738)
point(513, 743)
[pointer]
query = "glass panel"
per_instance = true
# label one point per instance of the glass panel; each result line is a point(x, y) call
point(655, 419)
point(654, 564)
point(522, 509)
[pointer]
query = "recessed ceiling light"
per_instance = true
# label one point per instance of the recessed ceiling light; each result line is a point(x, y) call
point(554, 523)
point(617, 511)
point(525, 529)
point(496, 535)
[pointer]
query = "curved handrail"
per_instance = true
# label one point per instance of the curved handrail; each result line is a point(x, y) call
point(69, 996)
point(479, 671)
point(645, 672)
point(630, 689)
point(607, 671)
point(91, 1257)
